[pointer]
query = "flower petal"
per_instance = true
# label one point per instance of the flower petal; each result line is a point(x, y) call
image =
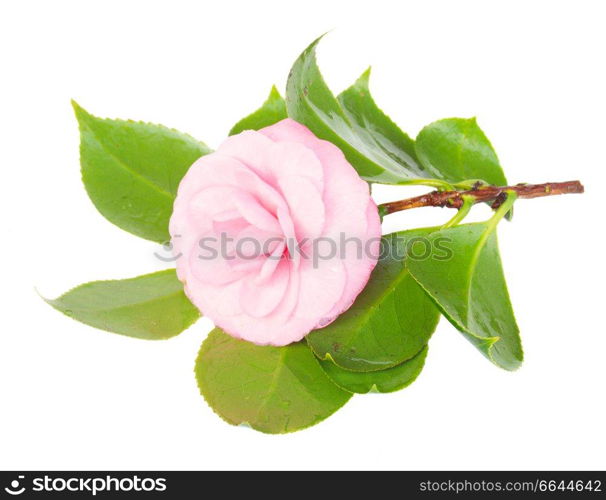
point(255, 213)
point(250, 148)
point(305, 204)
point(260, 299)
point(289, 159)
point(321, 287)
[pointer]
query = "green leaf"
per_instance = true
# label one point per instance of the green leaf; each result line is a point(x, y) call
point(271, 111)
point(390, 321)
point(372, 143)
point(390, 380)
point(152, 306)
point(131, 171)
point(456, 149)
point(470, 289)
point(272, 389)
point(369, 122)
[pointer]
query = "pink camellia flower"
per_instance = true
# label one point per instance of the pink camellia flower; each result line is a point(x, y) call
point(275, 234)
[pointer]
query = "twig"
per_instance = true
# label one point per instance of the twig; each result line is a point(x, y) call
point(496, 194)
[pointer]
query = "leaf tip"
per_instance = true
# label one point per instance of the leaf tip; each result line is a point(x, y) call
point(79, 111)
point(54, 303)
point(364, 78)
point(509, 363)
point(40, 295)
point(312, 46)
point(274, 94)
point(77, 108)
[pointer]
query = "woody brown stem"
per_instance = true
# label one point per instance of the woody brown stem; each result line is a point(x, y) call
point(480, 193)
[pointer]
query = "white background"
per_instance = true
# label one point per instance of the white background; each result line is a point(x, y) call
point(532, 72)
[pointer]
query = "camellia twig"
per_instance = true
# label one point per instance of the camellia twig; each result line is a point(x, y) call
point(481, 193)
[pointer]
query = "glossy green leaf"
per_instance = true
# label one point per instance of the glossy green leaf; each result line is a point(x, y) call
point(390, 321)
point(470, 289)
point(272, 389)
point(372, 143)
point(131, 171)
point(456, 149)
point(369, 122)
point(390, 380)
point(271, 111)
point(152, 306)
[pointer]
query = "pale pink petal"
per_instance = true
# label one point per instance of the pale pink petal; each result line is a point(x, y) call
point(288, 130)
point(211, 203)
point(255, 213)
point(229, 227)
point(217, 169)
point(222, 302)
point(252, 149)
point(271, 262)
point(208, 263)
point(290, 236)
point(259, 300)
point(250, 266)
point(289, 159)
point(306, 206)
point(321, 287)
point(254, 242)
point(209, 171)
point(358, 270)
